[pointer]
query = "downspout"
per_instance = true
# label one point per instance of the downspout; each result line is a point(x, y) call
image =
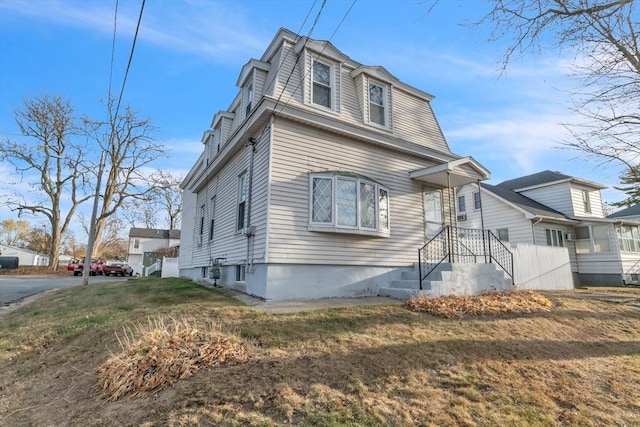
point(533, 230)
point(252, 143)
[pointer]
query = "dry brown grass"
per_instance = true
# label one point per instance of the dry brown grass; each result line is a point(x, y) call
point(161, 352)
point(577, 364)
point(492, 303)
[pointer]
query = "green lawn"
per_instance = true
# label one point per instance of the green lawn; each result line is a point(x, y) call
point(578, 364)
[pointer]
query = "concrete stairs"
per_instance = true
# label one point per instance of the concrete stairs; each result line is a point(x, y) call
point(447, 279)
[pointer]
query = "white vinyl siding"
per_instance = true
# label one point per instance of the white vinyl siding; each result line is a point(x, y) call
point(290, 241)
point(556, 196)
point(224, 186)
point(414, 120)
point(594, 199)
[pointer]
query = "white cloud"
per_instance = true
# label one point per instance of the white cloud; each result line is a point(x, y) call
point(220, 32)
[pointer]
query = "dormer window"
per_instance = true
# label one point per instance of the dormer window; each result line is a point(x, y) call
point(249, 100)
point(376, 104)
point(321, 84)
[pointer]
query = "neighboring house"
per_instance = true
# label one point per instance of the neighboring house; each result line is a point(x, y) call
point(632, 213)
point(553, 209)
point(323, 178)
point(26, 257)
point(143, 244)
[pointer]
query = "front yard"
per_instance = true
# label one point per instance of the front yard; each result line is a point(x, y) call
point(578, 364)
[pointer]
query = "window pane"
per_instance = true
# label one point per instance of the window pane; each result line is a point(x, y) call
point(503, 234)
point(346, 202)
point(321, 84)
point(376, 114)
point(383, 206)
point(601, 238)
point(461, 204)
point(376, 104)
point(321, 204)
point(321, 73)
point(322, 95)
point(367, 205)
point(476, 200)
point(582, 233)
point(433, 206)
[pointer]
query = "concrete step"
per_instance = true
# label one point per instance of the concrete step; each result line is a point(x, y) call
point(409, 284)
point(403, 293)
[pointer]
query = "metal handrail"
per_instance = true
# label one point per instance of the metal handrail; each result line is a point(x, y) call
point(441, 246)
point(441, 238)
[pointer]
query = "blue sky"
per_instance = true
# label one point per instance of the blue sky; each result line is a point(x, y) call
point(189, 54)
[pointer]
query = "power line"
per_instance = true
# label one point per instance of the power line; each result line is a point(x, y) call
point(113, 50)
point(298, 37)
point(133, 46)
point(324, 2)
point(344, 17)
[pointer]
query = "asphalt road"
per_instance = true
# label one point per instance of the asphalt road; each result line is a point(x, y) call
point(15, 288)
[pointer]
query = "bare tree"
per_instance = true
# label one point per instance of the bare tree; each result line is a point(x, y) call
point(604, 34)
point(127, 141)
point(53, 166)
point(38, 239)
point(13, 232)
point(168, 196)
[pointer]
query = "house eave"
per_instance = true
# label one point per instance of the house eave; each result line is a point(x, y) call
point(450, 174)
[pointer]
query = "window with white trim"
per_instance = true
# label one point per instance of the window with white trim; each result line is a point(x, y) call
point(212, 217)
point(201, 228)
point(586, 201)
point(136, 243)
point(348, 202)
point(592, 239)
point(554, 237)
point(249, 100)
point(477, 204)
point(321, 93)
point(240, 273)
point(242, 201)
point(503, 234)
point(461, 204)
point(628, 238)
point(377, 110)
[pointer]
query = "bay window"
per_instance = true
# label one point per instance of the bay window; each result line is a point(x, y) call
point(348, 203)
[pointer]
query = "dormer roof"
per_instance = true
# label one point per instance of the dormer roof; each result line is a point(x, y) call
point(250, 66)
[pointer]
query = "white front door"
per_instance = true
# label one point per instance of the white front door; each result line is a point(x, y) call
point(432, 212)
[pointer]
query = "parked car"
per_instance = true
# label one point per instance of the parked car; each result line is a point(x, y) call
point(73, 262)
point(118, 269)
point(96, 267)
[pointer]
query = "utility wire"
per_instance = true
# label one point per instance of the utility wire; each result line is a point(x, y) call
point(113, 50)
point(324, 2)
point(133, 46)
point(298, 37)
point(344, 17)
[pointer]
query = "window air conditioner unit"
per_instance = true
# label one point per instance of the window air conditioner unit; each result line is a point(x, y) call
point(461, 217)
point(569, 236)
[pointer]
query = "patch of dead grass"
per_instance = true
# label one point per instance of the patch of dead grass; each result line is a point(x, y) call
point(160, 353)
point(493, 303)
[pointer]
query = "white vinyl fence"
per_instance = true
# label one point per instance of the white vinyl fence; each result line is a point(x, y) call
point(541, 267)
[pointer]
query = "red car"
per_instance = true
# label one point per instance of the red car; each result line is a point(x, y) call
point(73, 262)
point(96, 268)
